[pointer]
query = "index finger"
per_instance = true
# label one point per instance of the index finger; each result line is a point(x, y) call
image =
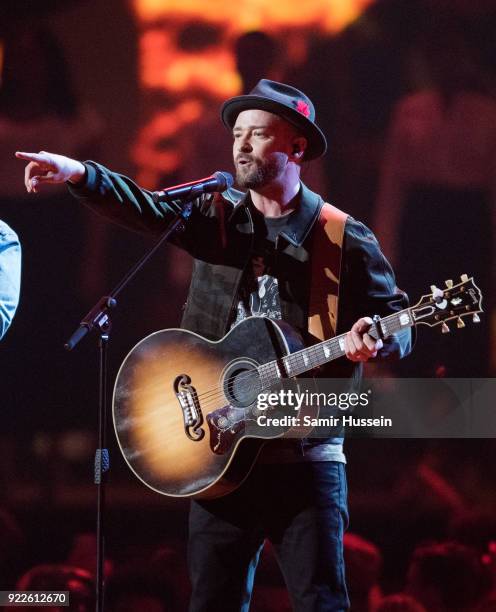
point(39, 157)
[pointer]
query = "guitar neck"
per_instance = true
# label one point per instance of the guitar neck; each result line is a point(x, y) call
point(317, 355)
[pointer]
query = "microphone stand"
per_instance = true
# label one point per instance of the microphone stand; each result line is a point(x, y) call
point(99, 320)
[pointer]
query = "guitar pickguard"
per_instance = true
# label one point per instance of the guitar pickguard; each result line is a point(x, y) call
point(226, 425)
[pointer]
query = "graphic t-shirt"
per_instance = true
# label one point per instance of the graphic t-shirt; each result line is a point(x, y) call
point(259, 291)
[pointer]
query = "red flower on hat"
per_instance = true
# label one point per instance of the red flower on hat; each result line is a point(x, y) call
point(303, 108)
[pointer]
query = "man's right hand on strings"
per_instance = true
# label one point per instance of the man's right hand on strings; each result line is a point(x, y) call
point(47, 167)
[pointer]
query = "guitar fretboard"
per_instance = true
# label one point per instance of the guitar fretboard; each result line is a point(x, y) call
point(317, 355)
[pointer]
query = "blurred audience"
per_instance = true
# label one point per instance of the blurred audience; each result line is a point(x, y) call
point(475, 527)
point(134, 588)
point(363, 561)
point(79, 584)
point(154, 581)
point(447, 577)
point(399, 603)
point(83, 554)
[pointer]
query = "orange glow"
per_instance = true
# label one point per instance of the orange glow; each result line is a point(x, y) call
point(163, 66)
point(154, 160)
point(329, 15)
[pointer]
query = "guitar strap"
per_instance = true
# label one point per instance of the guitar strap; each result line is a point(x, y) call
point(325, 260)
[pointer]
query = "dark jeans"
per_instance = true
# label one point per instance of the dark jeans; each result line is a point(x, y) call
point(301, 508)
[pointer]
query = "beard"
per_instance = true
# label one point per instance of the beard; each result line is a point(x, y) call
point(260, 172)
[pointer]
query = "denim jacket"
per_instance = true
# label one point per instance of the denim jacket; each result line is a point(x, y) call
point(10, 275)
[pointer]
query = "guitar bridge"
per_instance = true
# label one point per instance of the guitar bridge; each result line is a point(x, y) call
point(190, 406)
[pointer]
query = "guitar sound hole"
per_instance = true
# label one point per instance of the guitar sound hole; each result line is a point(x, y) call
point(242, 383)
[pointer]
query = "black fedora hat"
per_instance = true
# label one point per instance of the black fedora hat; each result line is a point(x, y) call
point(289, 103)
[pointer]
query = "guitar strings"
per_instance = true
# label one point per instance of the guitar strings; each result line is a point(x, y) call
point(257, 373)
point(291, 359)
point(254, 378)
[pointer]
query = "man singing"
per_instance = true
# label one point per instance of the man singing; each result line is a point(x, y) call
point(275, 251)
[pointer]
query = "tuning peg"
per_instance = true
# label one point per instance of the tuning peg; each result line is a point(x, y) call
point(460, 323)
point(464, 278)
point(476, 318)
point(437, 294)
point(445, 329)
point(449, 284)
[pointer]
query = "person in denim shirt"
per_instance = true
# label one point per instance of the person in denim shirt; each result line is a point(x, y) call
point(10, 276)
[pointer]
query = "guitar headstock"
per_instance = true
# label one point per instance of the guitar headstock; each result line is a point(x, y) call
point(452, 302)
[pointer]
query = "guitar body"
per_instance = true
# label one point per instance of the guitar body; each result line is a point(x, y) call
point(181, 403)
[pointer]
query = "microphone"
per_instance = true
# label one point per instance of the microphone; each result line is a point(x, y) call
point(218, 181)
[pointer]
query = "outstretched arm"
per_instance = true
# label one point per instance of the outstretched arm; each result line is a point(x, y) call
point(120, 200)
point(107, 193)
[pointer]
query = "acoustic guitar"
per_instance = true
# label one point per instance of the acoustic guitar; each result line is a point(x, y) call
point(183, 404)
